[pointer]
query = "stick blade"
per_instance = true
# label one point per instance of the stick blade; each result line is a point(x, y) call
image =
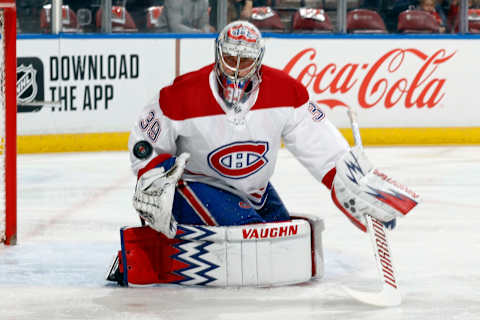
point(388, 297)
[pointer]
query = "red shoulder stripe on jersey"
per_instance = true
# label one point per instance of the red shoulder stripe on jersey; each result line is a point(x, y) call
point(278, 89)
point(153, 163)
point(189, 96)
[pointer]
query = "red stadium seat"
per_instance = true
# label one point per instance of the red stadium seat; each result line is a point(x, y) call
point(365, 21)
point(266, 19)
point(153, 16)
point(69, 19)
point(311, 20)
point(122, 21)
point(474, 20)
point(417, 21)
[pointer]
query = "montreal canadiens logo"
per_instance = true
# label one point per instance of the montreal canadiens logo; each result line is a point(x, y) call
point(243, 32)
point(239, 159)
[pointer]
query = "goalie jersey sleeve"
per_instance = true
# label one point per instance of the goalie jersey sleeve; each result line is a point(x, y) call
point(152, 138)
point(313, 139)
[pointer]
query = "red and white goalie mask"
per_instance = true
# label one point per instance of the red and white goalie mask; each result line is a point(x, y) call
point(239, 52)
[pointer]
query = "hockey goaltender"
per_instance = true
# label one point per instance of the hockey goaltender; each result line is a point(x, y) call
point(204, 151)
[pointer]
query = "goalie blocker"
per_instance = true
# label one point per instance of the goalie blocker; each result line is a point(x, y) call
point(266, 254)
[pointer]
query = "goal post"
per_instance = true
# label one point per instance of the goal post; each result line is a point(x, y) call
point(8, 126)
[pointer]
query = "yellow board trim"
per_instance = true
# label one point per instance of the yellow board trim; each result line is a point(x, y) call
point(80, 142)
point(416, 136)
point(117, 141)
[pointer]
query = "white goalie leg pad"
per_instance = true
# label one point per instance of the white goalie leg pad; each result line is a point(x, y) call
point(268, 254)
point(316, 226)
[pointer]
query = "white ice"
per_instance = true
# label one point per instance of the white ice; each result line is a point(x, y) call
point(71, 206)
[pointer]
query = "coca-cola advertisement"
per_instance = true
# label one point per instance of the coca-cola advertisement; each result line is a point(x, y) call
point(392, 83)
point(373, 88)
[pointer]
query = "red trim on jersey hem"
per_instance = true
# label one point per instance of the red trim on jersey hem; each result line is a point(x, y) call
point(194, 173)
point(256, 195)
point(153, 163)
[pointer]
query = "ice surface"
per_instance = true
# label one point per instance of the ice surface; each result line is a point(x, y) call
point(71, 207)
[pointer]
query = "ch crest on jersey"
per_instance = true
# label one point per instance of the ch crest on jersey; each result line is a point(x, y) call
point(239, 160)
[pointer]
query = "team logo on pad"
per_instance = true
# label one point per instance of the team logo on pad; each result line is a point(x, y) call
point(239, 159)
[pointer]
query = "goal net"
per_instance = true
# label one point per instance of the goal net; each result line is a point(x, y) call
point(8, 114)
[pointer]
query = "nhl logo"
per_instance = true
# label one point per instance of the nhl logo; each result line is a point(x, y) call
point(27, 87)
point(30, 84)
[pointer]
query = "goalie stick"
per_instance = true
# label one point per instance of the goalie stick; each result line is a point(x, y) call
point(389, 295)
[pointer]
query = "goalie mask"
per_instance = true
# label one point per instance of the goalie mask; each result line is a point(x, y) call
point(239, 51)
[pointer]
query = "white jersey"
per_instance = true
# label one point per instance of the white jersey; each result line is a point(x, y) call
point(189, 116)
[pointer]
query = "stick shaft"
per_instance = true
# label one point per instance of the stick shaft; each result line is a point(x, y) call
point(378, 233)
point(352, 115)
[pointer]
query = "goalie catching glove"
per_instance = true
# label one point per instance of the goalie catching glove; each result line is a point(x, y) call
point(153, 198)
point(359, 189)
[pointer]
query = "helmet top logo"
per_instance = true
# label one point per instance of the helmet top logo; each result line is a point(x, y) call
point(242, 32)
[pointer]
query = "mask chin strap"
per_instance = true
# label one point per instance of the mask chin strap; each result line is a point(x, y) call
point(237, 68)
point(236, 100)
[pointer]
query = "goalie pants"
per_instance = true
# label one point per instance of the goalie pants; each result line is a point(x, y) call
point(201, 204)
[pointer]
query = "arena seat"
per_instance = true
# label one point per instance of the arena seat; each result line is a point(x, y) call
point(474, 20)
point(153, 16)
point(122, 21)
point(267, 19)
point(311, 20)
point(69, 19)
point(417, 21)
point(365, 21)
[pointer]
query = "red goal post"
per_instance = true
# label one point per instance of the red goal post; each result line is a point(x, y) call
point(8, 126)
